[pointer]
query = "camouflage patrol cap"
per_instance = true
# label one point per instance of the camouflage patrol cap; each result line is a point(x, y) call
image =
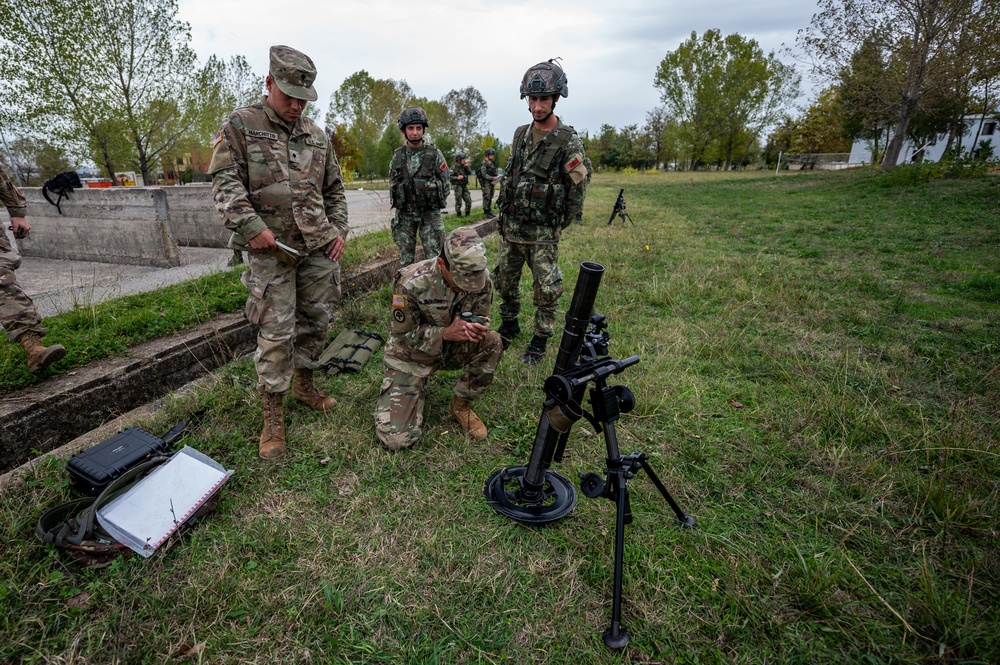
point(544, 79)
point(294, 72)
point(466, 256)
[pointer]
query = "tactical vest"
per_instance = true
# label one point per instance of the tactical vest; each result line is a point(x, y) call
point(418, 191)
point(536, 195)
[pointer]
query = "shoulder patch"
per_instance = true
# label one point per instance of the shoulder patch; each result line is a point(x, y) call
point(398, 301)
point(573, 163)
point(217, 139)
point(443, 166)
point(262, 134)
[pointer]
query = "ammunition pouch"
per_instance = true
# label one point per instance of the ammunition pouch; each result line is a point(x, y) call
point(349, 351)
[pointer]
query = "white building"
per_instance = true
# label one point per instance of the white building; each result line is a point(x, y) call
point(977, 128)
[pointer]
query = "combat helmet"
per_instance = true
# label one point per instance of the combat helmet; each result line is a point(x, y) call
point(490, 151)
point(544, 79)
point(412, 115)
point(460, 156)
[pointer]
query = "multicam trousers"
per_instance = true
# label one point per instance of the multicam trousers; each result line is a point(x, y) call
point(405, 226)
point(291, 308)
point(17, 311)
point(399, 412)
point(547, 277)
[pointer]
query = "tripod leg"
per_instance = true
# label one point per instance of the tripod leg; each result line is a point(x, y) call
point(616, 637)
point(685, 520)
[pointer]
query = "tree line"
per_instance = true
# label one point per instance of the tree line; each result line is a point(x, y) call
point(116, 83)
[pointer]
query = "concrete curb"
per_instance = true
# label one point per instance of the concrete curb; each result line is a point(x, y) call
point(63, 408)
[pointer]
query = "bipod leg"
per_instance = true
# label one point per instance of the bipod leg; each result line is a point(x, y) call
point(616, 637)
point(643, 462)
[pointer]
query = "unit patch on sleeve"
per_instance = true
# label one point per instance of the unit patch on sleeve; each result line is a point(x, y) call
point(398, 301)
point(573, 163)
point(398, 315)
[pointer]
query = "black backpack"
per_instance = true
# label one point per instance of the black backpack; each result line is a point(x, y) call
point(61, 185)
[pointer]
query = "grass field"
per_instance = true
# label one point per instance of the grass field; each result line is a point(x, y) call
point(818, 385)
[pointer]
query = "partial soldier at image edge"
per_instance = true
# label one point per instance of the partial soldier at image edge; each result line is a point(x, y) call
point(18, 314)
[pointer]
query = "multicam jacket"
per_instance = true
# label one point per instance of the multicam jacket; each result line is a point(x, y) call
point(11, 197)
point(418, 179)
point(423, 305)
point(267, 174)
point(538, 195)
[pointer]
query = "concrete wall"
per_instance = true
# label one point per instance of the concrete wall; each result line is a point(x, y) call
point(129, 225)
point(193, 217)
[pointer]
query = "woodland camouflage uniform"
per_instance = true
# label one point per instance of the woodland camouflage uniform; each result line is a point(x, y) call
point(17, 311)
point(538, 199)
point(418, 189)
point(423, 305)
point(486, 173)
point(268, 174)
point(461, 187)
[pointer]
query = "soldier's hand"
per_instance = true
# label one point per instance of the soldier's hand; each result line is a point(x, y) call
point(263, 241)
point(335, 248)
point(465, 331)
point(20, 226)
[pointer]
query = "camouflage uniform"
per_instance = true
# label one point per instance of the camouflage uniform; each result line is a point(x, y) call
point(267, 174)
point(17, 312)
point(461, 187)
point(418, 189)
point(486, 173)
point(423, 305)
point(542, 192)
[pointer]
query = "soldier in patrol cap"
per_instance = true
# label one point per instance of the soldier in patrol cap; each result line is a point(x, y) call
point(18, 314)
point(278, 187)
point(542, 192)
point(428, 333)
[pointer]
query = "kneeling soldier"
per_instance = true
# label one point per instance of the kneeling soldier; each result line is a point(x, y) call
point(428, 333)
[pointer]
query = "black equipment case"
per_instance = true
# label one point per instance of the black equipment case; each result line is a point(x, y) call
point(94, 469)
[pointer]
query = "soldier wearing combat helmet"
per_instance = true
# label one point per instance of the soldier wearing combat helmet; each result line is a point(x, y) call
point(460, 183)
point(277, 184)
point(418, 189)
point(541, 193)
point(486, 174)
point(428, 333)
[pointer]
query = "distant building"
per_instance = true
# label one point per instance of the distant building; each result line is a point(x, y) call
point(977, 128)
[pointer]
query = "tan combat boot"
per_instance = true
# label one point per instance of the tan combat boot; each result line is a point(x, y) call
point(305, 390)
point(467, 419)
point(39, 355)
point(272, 437)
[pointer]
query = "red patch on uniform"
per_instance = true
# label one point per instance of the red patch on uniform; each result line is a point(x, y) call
point(572, 164)
point(444, 165)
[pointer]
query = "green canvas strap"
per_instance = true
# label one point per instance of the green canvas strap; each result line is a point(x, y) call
point(349, 351)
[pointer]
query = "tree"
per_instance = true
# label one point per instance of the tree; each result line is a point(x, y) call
point(925, 45)
point(655, 130)
point(367, 107)
point(99, 70)
point(467, 110)
point(724, 90)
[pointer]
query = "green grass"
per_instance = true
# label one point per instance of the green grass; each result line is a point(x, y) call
point(818, 385)
point(110, 328)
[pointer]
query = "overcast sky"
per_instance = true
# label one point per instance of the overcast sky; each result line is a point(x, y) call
point(610, 49)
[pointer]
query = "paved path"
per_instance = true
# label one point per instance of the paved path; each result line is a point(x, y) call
point(59, 286)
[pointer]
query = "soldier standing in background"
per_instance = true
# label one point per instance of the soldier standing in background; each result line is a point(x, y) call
point(542, 192)
point(418, 189)
point(487, 173)
point(460, 182)
point(18, 314)
point(427, 333)
point(276, 179)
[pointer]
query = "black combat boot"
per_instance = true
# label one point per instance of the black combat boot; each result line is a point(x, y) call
point(508, 331)
point(535, 351)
